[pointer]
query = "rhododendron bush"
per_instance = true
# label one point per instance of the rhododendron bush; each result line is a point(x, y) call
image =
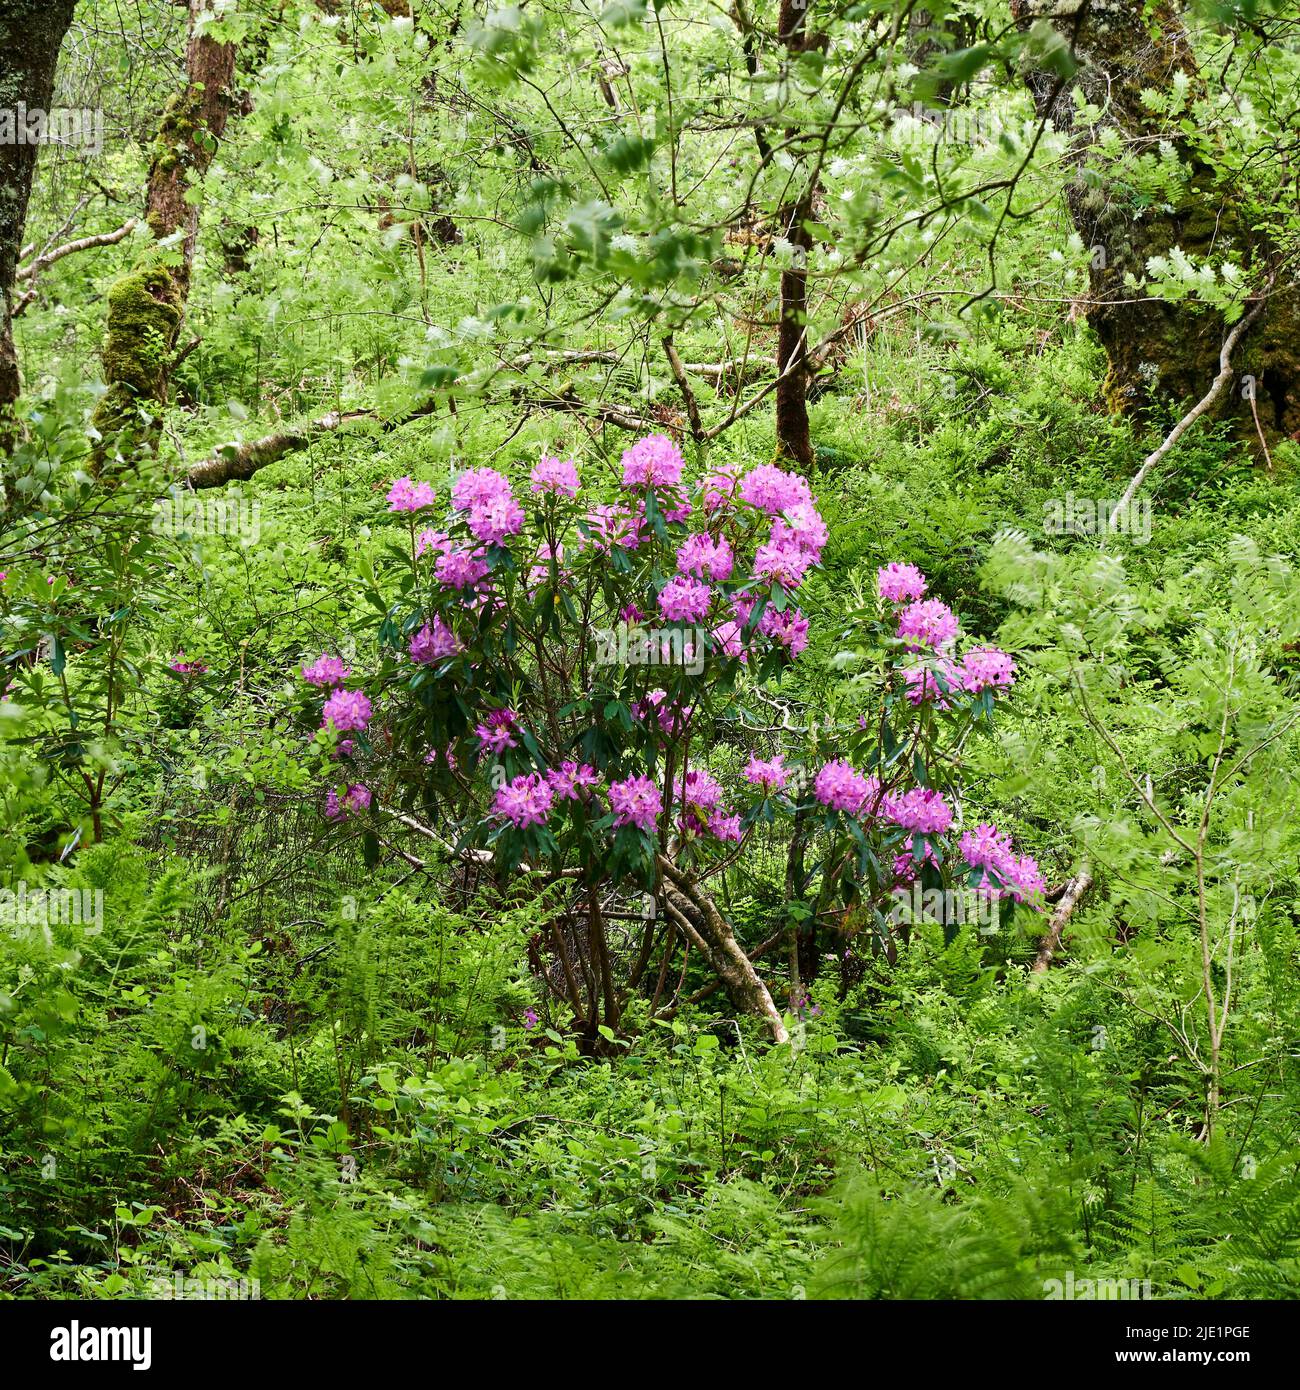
point(572, 679)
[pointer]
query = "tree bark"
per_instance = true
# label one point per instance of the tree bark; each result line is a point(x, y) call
point(31, 34)
point(1155, 348)
point(695, 912)
point(793, 436)
point(146, 306)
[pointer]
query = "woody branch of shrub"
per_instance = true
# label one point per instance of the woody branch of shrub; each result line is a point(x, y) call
point(497, 716)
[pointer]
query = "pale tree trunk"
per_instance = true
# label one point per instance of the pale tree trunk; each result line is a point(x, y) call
point(146, 306)
point(1153, 348)
point(31, 34)
point(695, 912)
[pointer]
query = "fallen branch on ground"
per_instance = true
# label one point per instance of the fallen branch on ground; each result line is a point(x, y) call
point(1075, 888)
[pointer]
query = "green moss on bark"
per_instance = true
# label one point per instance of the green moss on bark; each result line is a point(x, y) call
point(144, 317)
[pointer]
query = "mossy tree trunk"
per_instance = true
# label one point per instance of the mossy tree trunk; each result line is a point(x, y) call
point(31, 34)
point(1158, 349)
point(147, 305)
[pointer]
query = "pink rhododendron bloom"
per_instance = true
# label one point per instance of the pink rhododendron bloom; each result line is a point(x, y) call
point(668, 714)
point(675, 506)
point(476, 487)
point(432, 540)
point(702, 556)
point(782, 563)
point(408, 496)
point(525, 801)
point(630, 613)
point(927, 624)
point(770, 774)
point(433, 643)
point(723, 826)
point(187, 668)
point(790, 628)
point(900, 583)
point(841, 786)
point(718, 489)
point(986, 848)
point(355, 798)
point(612, 524)
point(346, 709)
point(700, 789)
point(1024, 878)
point(635, 801)
point(922, 685)
point(654, 461)
point(325, 671)
point(573, 781)
point(905, 866)
point(921, 810)
point(556, 475)
point(728, 638)
point(801, 526)
point(540, 570)
point(496, 519)
point(987, 668)
point(685, 600)
point(773, 491)
point(497, 730)
point(460, 569)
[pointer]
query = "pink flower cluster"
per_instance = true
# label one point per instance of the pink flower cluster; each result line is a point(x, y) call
point(573, 781)
point(657, 708)
point(899, 583)
point(790, 628)
point(987, 668)
point(525, 801)
point(493, 512)
point(685, 600)
point(187, 668)
point(773, 491)
point(326, 671)
point(408, 496)
point(433, 643)
point(701, 555)
point(346, 710)
point(635, 801)
point(654, 461)
point(842, 787)
point(556, 475)
point(613, 524)
point(921, 810)
point(497, 731)
point(355, 798)
point(928, 623)
point(770, 774)
point(986, 848)
point(718, 489)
